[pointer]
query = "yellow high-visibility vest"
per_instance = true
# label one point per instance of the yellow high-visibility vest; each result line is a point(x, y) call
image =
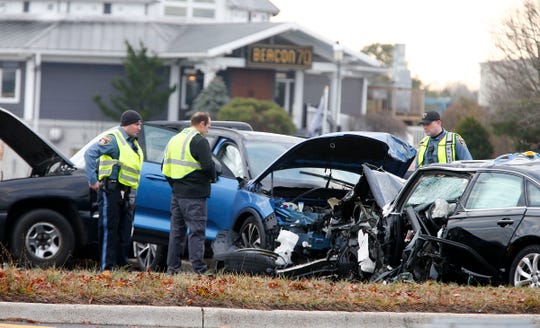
point(178, 161)
point(446, 149)
point(129, 162)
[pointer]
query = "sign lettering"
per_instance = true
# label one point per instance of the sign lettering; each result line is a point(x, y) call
point(272, 56)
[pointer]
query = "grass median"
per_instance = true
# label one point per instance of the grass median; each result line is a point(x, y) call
point(81, 286)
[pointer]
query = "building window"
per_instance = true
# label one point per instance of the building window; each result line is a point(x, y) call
point(26, 6)
point(175, 11)
point(10, 80)
point(107, 8)
point(205, 13)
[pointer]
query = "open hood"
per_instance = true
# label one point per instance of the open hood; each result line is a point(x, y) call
point(348, 151)
point(39, 153)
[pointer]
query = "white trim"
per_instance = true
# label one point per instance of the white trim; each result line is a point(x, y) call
point(29, 89)
point(298, 101)
point(174, 105)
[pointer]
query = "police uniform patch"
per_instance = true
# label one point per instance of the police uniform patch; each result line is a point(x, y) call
point(461, 141)
point(105, 141)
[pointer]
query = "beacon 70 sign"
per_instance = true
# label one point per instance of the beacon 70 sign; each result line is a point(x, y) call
point(272, 56)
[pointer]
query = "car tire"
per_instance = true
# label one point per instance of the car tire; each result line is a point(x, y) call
point(246, 261)
point(42, 238)
point(252, 234)
point(150, 257)
point(525, 269)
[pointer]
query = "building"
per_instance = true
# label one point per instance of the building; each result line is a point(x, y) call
point(56, 55)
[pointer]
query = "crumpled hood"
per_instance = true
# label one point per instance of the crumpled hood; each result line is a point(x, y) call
point(348, 151)
point(37, 151)
point(384, 186)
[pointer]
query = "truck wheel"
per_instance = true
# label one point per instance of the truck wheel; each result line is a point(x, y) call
point(42, 238)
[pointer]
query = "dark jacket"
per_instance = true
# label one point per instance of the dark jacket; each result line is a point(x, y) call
point(197, 183)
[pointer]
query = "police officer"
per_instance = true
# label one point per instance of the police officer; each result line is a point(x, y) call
point(439, 145)
point(189, 168)
point(118, 158)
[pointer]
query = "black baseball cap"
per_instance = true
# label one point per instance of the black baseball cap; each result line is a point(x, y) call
point(429, 117)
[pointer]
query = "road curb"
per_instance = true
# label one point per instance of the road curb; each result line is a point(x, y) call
point(172, 316)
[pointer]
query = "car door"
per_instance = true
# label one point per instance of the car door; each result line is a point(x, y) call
point(494, 208)
point(152, 213)
point(153, 202)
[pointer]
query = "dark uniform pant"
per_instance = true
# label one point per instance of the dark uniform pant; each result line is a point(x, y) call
point(187, 213)
point(114, 227)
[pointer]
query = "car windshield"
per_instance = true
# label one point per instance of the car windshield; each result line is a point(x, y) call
point(439, 186)
point(78, 157)
point(262, 153)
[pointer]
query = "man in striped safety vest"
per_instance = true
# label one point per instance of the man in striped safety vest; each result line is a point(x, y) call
point(439, 145)
point(116, 177)
point(189, 168)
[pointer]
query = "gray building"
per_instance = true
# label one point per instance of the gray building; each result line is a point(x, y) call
point(52, 63)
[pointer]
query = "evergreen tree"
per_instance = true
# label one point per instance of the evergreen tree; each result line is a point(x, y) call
point(143, 89)
point(212, 98)
point(476, 137)
point(263, 115)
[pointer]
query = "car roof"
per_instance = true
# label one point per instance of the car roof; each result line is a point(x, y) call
point(508, 162)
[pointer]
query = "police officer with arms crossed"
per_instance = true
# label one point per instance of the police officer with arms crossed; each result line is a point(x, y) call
point(439, 145)
point(189, 168)
point(119, 158)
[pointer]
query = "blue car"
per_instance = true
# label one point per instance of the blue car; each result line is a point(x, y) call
point(241, 153)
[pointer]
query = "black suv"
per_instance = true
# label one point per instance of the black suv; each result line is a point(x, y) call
point(46, 212)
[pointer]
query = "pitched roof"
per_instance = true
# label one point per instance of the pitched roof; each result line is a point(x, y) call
point(106, 38)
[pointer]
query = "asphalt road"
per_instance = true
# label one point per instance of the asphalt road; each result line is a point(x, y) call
point(75, 315)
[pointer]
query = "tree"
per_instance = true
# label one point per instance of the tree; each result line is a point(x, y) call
point(383, 52)
point(476, 136)
point(212, 98)
point(143, 88)
point(263, 115)
point(514, 81)
point(462, 108)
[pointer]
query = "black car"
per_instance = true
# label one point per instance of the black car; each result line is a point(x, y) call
point(468, 221)
point(46, 211)
point(471, 222)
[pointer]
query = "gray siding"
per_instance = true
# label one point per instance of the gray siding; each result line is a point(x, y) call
point(67, 90)
point(351, 97)
point(314, 87)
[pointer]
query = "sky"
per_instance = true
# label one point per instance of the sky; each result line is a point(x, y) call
point(445, 40)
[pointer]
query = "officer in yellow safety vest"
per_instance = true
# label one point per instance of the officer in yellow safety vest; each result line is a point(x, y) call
point(118, 158)
point(439, 145)
point(189, 168)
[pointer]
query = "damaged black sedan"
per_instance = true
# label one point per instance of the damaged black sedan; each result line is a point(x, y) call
point(467, 222)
